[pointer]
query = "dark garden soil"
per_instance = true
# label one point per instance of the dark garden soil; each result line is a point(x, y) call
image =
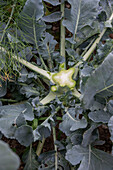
point(104, 135)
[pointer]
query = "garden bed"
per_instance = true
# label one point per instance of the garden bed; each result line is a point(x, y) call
point(56, 84)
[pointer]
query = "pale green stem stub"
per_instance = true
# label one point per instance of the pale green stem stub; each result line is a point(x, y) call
point(54, 88)
point(64, 78)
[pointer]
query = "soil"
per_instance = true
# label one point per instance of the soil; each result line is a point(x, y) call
point(104, 135)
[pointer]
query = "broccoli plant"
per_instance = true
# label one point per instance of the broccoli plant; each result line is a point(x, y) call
point(59, 78)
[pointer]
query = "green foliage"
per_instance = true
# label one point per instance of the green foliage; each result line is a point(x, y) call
point(40, 82)
point(29, 158)
point(8, 159)
point(100, 82)
point(90, 158)
point(11, 117)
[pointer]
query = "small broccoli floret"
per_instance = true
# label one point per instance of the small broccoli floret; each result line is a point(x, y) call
point(54, 88)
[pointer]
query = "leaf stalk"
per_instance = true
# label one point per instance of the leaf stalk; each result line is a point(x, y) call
point(94, 45)
point(55, 146)
point(62, 33)
point(40, 146)
point(46, 74)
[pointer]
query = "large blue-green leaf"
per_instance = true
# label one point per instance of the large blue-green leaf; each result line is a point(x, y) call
point(47, 46)
point(10, 115)
point(107, 7)
point(100, 82)
point(54, 17)
point(30, 31)
point(48, 163)
point(84, 74)
point(110, 106)
point(76, 137)
point(70, 123)
point(90, 158)
point(29, 23)
point(99, 116)
point(104, 50)
point(33, 8)
point(8, 159)
point(29, 158)
point(88, 136)
point(82, 13)
point(53, 2)
point(29, 91)
point(110, 125)
point(42, 131)
point(24, 135)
